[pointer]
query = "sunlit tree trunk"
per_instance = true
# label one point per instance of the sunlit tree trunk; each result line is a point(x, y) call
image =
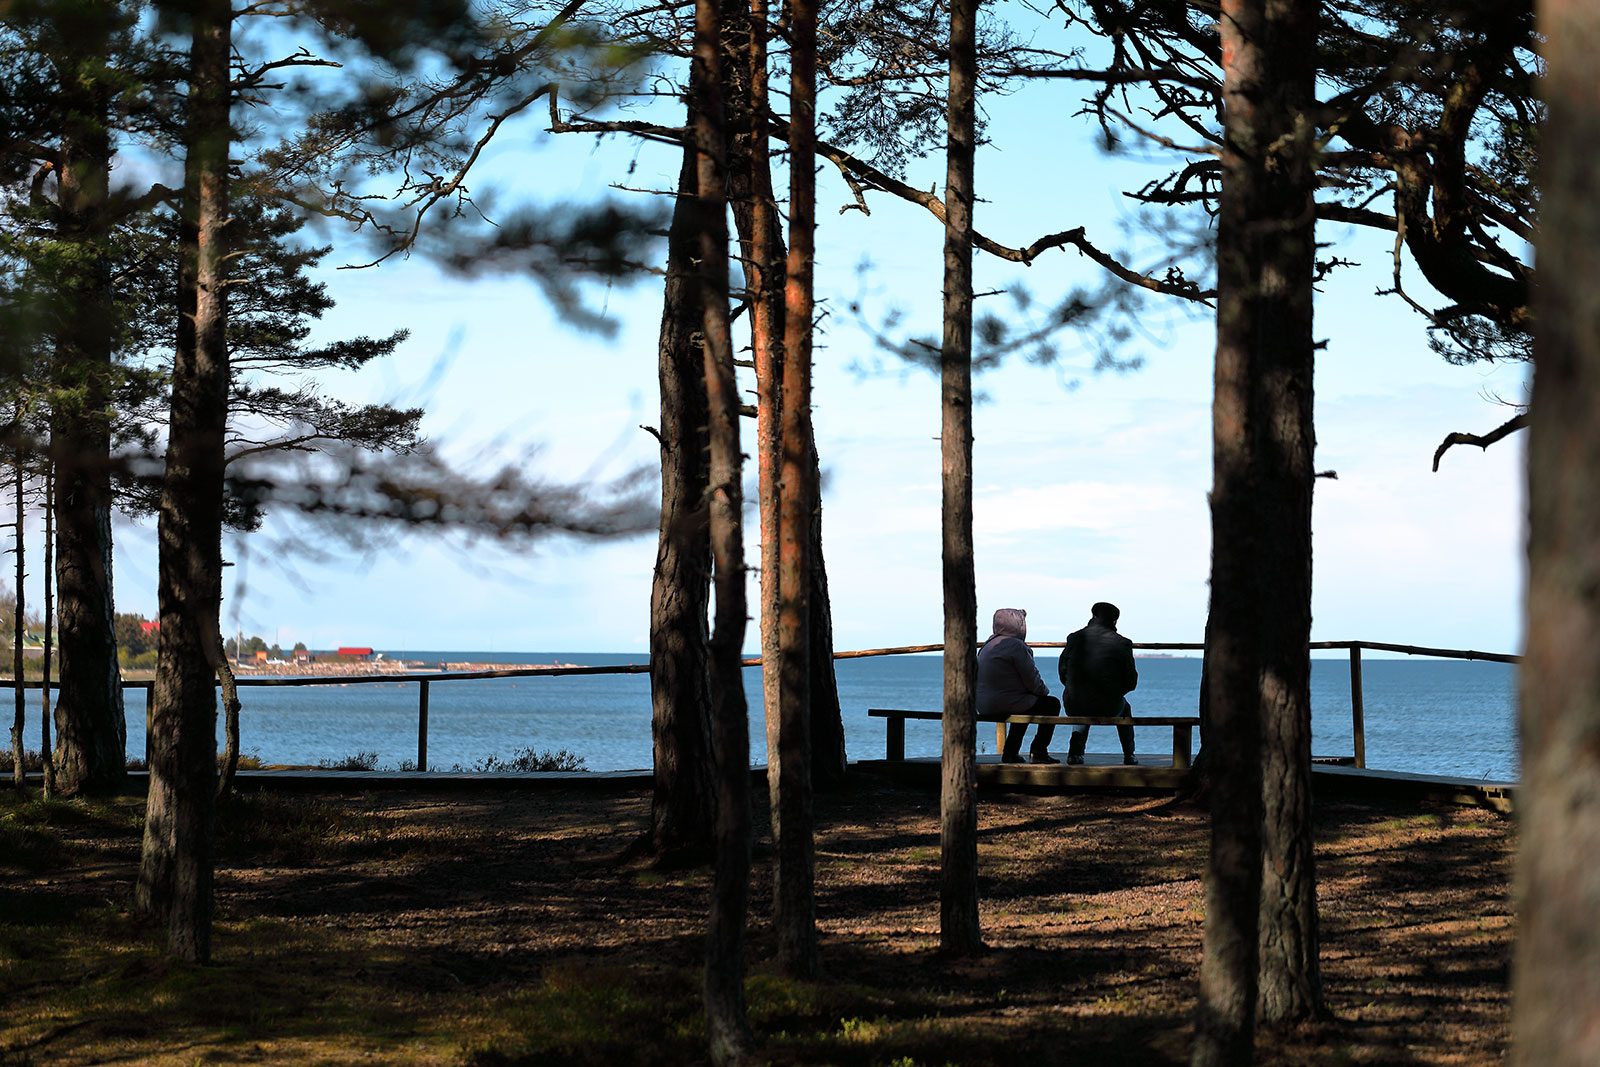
point(1556, 977)
point(175, 877)
point(727, 1027)
point(1257, 665)
point(683, 805)
point(959, 932)
point(91, 732)
point(763, 254)
point(789, 759)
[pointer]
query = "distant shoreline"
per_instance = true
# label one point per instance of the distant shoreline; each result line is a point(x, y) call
point(345, 669)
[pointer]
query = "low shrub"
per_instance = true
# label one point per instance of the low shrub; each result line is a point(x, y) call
point(356, 761)
point(32, 762)
point(526, 760)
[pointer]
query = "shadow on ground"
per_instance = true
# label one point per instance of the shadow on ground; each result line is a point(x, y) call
point(501, 928)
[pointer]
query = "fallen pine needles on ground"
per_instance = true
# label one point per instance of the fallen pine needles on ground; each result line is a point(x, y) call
point(500, 928)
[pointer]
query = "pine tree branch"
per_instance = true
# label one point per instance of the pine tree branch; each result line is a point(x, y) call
point(1483, 441)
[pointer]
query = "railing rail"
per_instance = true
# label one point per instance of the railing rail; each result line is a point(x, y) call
point(424, 680)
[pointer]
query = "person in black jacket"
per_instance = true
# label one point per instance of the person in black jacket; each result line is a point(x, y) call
point(1097, 672)
point(1009, 684)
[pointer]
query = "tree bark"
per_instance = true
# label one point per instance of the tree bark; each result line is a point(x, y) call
point(1556, 975)
point(230, 725)
point(829, 764)
point(1290, 981)
point(959, 931)
point(762, 253)
point(727, 1027)
point(18, 772)
point(1257, 659)
point(789, 761)
point(46, 755)
point(175, 876)
point(683, 805)
point(91, 732)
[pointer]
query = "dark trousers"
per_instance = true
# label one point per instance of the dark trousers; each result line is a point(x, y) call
point(1045, 705)
point(1080, 736)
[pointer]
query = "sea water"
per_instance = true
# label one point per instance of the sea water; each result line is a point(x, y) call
point(1428, 716)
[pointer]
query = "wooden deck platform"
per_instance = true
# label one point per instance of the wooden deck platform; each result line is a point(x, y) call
point(1330, 777)
point(1099, 771)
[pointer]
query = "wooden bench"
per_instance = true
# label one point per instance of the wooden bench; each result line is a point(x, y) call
point(1182, 728)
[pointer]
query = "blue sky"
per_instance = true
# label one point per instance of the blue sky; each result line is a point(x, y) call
point(1089, 486)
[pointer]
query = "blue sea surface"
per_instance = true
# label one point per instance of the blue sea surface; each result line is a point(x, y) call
point(1430, 716)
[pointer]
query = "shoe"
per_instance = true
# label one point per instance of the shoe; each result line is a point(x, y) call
point(1129, 761)
point(1046, 758)
point(1074, 761)
point(1010, 757)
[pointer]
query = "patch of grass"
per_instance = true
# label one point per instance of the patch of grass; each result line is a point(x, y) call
point(36, 834)
point(272, 827)
point(593, 1013)
point(1427, 820)
point(304, 993)
point(26, 845)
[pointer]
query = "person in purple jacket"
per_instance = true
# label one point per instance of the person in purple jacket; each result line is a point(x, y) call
point(1009, 684)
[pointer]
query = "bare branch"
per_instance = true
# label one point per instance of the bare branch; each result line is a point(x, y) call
point(1483, 441)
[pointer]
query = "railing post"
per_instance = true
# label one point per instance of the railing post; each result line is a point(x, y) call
point(1357, 711)
point(422, 725)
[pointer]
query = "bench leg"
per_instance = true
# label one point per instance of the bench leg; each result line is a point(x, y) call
point(999, 738)
point(1182, 738)
point(895, 751)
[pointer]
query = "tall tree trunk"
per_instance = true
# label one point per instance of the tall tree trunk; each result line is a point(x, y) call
point(91, 732)
point(762, 253)
point(828, 761)
point(1555, 1019)
point(727, 1027)
point(789, 747)
point(175, 876)
point(1257, 664)
point(231, 707)
point(959, 931)
point(683, 805)
point(17, 665)
point(45, 754)
point(1284, 255)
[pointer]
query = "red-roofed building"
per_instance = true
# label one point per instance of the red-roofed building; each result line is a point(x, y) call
point(351, 652)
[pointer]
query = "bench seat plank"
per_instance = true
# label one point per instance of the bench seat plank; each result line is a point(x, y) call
point(1058, 720)
point(1182, 727)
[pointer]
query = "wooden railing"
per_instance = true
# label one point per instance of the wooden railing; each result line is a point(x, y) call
point(1357, 698)
point(424, 680)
